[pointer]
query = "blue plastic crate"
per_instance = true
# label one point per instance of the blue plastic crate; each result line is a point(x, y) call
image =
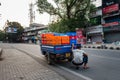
point(71, 33)
point(73, 41)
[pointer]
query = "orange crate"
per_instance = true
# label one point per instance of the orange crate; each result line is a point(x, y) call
point(54, 42)
point(65, 40)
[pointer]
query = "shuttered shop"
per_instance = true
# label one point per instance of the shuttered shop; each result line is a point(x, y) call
point(112, 37)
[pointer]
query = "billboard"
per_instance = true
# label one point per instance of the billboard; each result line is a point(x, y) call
point(111, 8)
point(110, 24)
point(79, 35)
point(95, 21)
point(106, 3)
point(11, 30)
point(94, 29)
point(112, 28)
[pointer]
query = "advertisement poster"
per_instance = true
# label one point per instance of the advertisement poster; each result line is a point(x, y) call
point(111, 24)
point(106, 3)
point(80, 37)
point(112, 8)
point(11, 30)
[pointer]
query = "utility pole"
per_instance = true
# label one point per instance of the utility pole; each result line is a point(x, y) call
point(31, 13)
point(0, 5)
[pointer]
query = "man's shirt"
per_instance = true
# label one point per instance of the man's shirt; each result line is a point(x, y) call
point(78, 55)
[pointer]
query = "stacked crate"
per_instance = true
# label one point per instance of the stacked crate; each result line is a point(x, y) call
point(46, 38)
point(57, 39)
point(43, 39)
point(72, 36)
point(65, 40)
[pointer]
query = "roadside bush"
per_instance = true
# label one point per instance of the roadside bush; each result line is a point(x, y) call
point(117, 48)
point(98, 47)
point(89, 46)
point(111, 48)
point(106, 47)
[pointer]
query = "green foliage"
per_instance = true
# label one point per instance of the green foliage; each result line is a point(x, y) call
point(65, 9)
point(14, 37)
point(71, 13)
point(2, 35)
point(60, 27)
point(95, 21)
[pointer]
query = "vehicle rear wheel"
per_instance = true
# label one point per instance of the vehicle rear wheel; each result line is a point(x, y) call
point(49, 60)
point(71, 57)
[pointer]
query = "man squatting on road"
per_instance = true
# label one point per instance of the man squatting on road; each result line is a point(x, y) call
point(79, 57)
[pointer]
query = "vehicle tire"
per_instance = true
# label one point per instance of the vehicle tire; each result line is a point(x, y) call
point(43, 52)
point(70, 58)
point(49, 60)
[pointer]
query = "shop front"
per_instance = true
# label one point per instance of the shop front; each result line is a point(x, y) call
point(95, 34)
point(112, 34)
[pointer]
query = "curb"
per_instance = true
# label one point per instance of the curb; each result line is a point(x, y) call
point(100, 47)
point(1, 50)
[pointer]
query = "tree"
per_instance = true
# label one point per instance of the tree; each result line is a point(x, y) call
point(58, 27)
point(14, 36)
point(71, 13)
point(2, 35)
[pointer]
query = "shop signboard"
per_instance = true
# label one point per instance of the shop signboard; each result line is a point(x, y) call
point(106, 3)
point(95, 29)
point(110, 24)
point(95, 21)
point(109, 9)
point(112, 28)
point(79, 36)
point(11, 30)
point(79, 33)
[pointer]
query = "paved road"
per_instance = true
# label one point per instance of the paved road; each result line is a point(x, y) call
point(104, 64)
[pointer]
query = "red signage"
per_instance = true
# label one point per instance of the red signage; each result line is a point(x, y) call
point(111, 24)
point(80, 37)
point(112, 8)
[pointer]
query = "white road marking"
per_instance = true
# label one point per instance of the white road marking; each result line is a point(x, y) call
point(75, 73)
point(113, 58)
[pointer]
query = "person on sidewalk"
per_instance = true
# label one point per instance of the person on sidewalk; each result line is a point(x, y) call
point(79, 57)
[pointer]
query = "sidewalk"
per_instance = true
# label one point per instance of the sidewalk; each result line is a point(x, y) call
point(19, 66)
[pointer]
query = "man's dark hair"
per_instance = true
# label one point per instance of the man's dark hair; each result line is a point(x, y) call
point(78, 47)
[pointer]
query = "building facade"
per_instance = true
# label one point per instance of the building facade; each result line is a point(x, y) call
point(32, 33)
point(111, 17)
point(105, 23)
point(94, 31)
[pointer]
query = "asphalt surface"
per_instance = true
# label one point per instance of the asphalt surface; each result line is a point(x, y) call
point(104, 64)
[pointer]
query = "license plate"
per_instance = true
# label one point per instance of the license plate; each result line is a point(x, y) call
point(67, 54)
